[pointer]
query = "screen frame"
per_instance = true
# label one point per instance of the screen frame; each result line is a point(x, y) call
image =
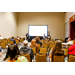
point(37, 25)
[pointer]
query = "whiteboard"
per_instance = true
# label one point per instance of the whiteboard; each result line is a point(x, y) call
point(67, 29)
point(34, 30)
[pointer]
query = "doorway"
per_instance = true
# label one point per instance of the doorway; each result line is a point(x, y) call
point(72, 30)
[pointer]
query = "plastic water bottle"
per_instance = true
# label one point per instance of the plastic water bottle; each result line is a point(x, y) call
point(66, 59)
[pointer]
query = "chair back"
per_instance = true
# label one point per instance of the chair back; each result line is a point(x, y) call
point(71, 58)
point(57, 58)
point(45, 45)
point(11, 42)
point(38, 46)
point(21, 40)
point(17, 41)
point(34, 49)
point(43, 50)
point(3, 45)
point(27, 56)
point(40, 57)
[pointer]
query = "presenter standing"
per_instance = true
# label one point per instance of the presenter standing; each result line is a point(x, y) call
point(44, 37)
point(27, 36)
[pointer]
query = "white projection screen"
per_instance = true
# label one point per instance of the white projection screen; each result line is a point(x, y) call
point(34, 30)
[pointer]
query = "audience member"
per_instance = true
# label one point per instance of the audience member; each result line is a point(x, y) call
point(71, 50)
point(1, 37)
point(38, 41)
point(0, 52)
point(18, 38)
point(57, 50)
point(69, 42)
point(33, 44)
point(12, 39)
point(14, 54)
point(27, 50)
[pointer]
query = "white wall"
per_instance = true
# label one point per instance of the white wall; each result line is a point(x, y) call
point(8, 24)
point(54, 20)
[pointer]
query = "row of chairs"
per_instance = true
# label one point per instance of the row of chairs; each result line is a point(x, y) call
point(39, 57)
point(4, 43)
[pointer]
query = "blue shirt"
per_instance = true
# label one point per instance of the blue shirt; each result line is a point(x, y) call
point(13, 40)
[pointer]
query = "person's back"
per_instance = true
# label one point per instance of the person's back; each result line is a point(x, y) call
point(25, 49)
point(12, 39)
point(33, 44)
point(14, 54)
point(71, 50)
point(38, 41)
point(57, 50)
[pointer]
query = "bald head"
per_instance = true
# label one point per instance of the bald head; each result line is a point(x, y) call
point(25, 42)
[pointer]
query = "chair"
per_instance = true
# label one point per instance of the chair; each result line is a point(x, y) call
point(27, 56)
point(11, 42)
point(38, 46)
point(71, 58)
point(3, 45)
point(6, 42)
point(17, 41)
point(51, 46)
point(57, 58)
point(34, 49)
point(43, 50)
point(66, 52)
point(40, 57)
point(45, 45)
point(21, 40)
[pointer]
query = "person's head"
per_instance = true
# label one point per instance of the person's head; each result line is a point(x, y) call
point(12, 52)
point(69, 39)
point(33, 42)
point(37, 39)
point(25, 42)
point(58, 46)
point(17, 37)
point(0, 35)
point(12, 37)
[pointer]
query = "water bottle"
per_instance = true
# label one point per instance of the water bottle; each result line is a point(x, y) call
point(66, 59)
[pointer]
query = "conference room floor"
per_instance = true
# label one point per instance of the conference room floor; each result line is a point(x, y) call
point(4, 51)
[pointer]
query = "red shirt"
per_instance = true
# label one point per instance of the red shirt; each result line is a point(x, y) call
point(71, 50)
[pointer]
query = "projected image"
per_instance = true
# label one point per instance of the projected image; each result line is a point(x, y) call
point(38, 30)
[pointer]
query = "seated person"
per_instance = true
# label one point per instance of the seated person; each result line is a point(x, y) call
point(33, 44)
point(12, 39)
point(27, 50)
point(1, 37)
point(57, 50)
point(18, 38)
point(71, 50)
point(14, 54)
point(0, 52)
point(68, 43)
point(38, 41)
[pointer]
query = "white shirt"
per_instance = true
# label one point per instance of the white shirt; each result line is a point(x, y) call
point(68, 43)
point(1, 38)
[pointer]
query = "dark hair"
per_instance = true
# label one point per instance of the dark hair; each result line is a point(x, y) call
point(13, 52)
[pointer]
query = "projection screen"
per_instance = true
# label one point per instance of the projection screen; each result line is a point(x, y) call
point(34, 30)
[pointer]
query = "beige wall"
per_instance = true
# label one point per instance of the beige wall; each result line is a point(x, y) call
point(54, 20)
point(8, 24)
